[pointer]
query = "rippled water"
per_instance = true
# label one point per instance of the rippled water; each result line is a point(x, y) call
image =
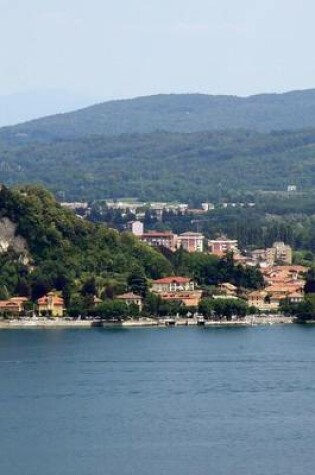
point(182, 401)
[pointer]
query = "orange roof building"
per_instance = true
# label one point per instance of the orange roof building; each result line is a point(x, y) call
point(51, 304)
point(13, 306)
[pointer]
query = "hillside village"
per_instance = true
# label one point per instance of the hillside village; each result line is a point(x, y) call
point(282, 281)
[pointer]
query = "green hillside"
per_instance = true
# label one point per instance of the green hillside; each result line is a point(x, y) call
point(165, 166)
point(175, 113)
point(62, 251)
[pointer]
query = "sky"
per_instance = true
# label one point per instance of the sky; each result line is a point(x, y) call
point(108, 49)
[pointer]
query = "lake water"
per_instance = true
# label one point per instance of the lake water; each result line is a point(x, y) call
point(182, 401)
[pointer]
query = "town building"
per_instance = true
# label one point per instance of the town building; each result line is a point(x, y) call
point(173, 284)
point(191, 242)
point(222, 246)
point(131, 206)
point(131, 299)
point(228, 289)
point(189, 299)
point(135, 227)
point(283, 252)
point(13, 306)
point(51, 304)
point(177, 289)
point(258, 299)
point(157, 239)
point(279, 252)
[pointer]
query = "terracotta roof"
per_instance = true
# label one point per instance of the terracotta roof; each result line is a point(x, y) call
point(257, 293)
point(295, 295)
point(170, 280)
point(14, 302)
point(8, 304)
point(18, 299)
point(291, 268)
point(50, 298)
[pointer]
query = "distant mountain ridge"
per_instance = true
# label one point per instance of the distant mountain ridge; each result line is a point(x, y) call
point(183, 113)
point(165, 166)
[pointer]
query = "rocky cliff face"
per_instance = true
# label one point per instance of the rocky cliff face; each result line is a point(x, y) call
point(9, 239)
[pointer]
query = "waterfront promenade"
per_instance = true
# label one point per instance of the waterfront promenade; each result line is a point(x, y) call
point(43, 323)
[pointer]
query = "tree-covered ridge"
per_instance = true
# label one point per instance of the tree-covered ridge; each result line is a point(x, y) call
point(176, 113)
point(65, 250)
point(165, 166)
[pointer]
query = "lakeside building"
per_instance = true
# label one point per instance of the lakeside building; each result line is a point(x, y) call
point(189, 299)
point(222, 246)
point(178, 289)
point(131, 299)
point(191, 242)
point(173, 284)
point(13, 306)
point(51, 304)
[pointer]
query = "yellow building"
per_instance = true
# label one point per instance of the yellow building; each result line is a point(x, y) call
point(51, 304)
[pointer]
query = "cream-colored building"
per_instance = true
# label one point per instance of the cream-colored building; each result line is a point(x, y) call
point(131, 298)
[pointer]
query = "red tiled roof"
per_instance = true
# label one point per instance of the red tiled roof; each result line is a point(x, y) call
point(8, 304)
point(18, 299)
point(54, 299)
point(170, 280)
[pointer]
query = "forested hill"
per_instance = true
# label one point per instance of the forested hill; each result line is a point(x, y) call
point(61, 251)
point(175, 113)
point(165, 166)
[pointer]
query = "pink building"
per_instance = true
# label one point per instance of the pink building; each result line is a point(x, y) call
point(191, 242)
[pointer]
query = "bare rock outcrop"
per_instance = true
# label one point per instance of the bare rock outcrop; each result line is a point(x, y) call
point(9, 239)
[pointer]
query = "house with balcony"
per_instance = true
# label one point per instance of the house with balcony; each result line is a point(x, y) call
point(173, 284)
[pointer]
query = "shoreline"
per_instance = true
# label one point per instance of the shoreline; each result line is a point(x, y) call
point(143, 323)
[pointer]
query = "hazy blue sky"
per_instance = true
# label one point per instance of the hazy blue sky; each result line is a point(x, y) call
point(124, 48)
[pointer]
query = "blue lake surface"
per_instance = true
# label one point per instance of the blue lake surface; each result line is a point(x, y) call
point(182, 401)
